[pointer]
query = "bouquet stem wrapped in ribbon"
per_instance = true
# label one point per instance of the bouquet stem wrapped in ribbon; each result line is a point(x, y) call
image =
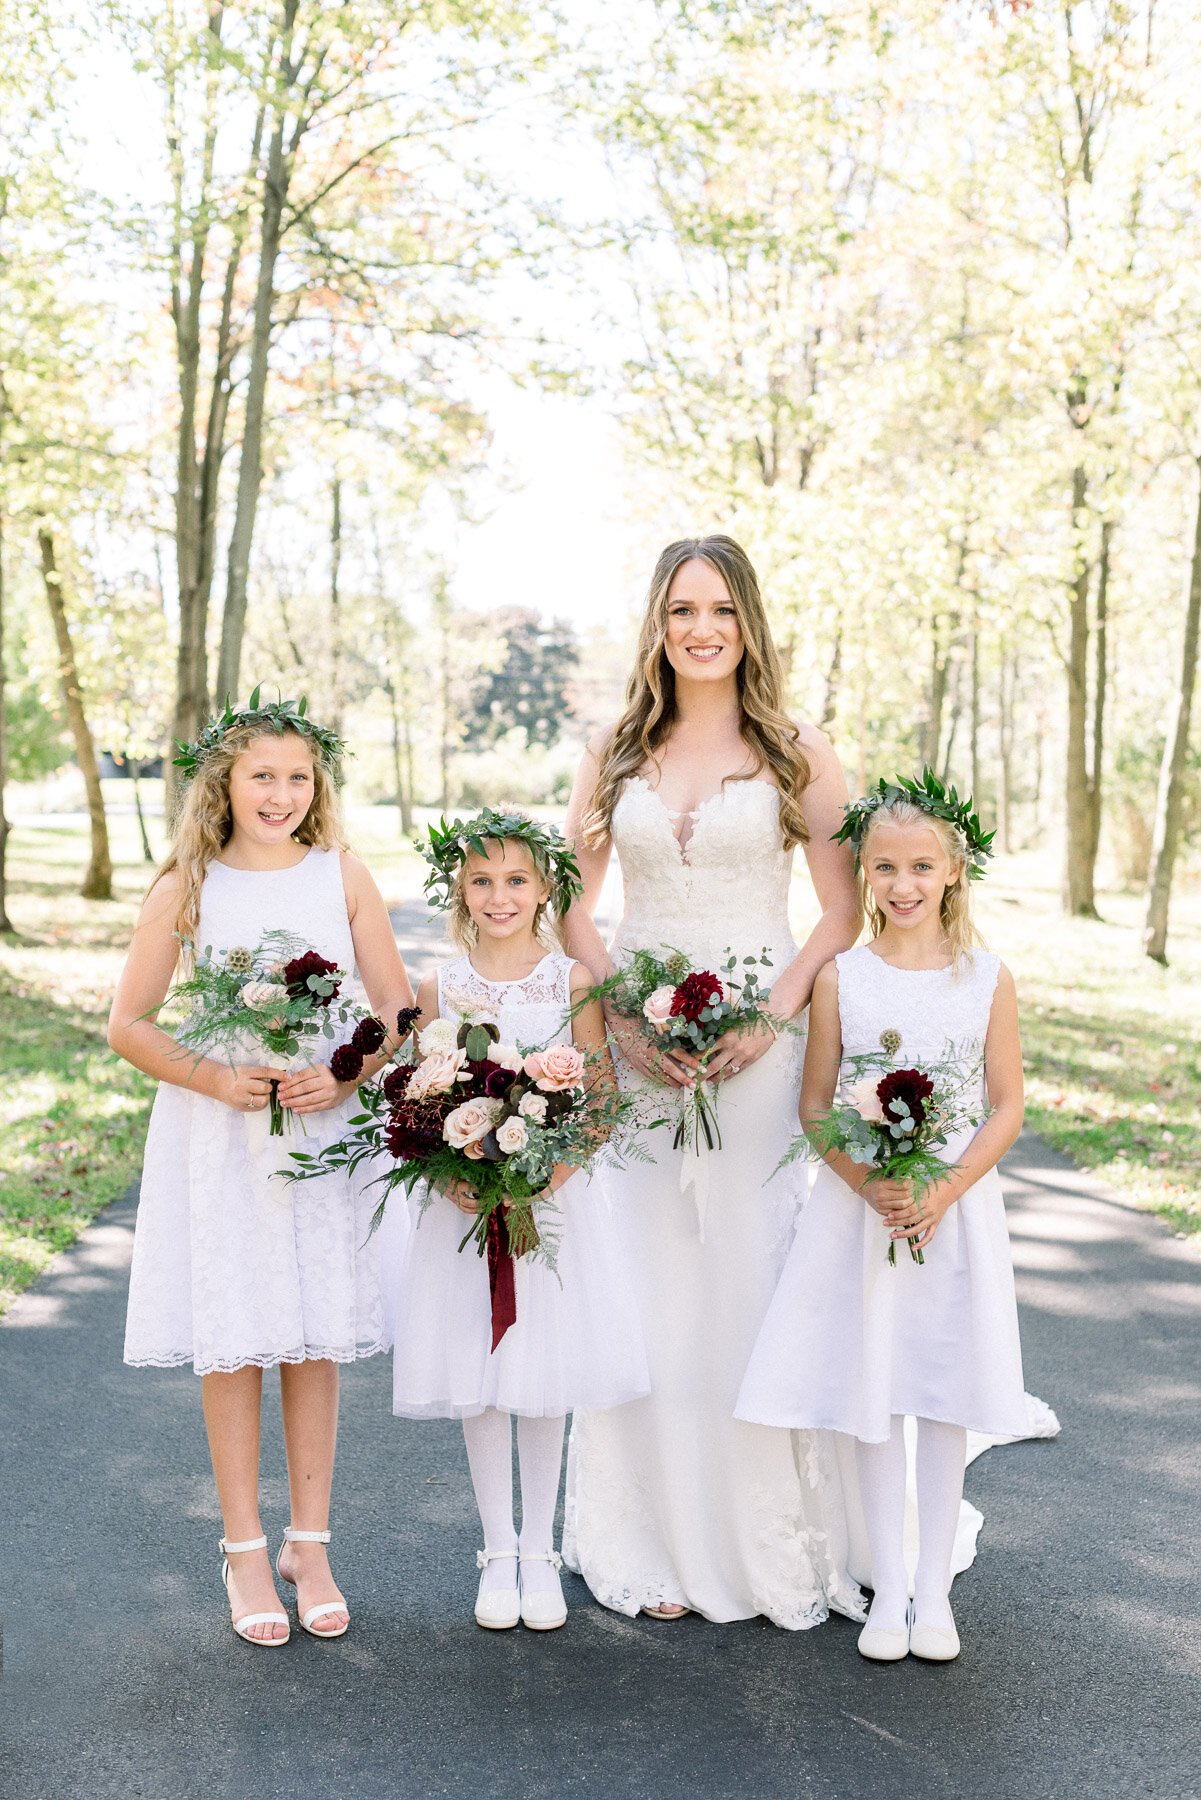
point(681, 1007)
point(496, 1117)
point(897, 1122)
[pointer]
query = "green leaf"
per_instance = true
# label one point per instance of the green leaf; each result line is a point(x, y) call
point(254, 699)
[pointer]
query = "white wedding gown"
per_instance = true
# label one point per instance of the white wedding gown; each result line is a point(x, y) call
point(671, 1498)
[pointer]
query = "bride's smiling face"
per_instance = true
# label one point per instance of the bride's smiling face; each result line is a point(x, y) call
point(704, 638)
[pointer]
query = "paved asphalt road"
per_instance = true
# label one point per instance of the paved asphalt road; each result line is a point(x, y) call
point(1081, 1618)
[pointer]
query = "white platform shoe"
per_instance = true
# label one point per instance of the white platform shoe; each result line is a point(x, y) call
point(548, 1610)
point(500, 1608)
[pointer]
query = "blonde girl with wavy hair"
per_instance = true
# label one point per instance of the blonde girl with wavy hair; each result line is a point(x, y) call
point(959, 936)
point(705, 786)
point(234, 1272)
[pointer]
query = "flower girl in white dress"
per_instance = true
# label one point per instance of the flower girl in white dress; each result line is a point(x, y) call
point(232, 1270)
point(575, 1341)
point(852, 1343)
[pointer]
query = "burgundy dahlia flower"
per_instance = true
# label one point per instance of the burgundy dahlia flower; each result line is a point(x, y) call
point(909, 1085)
point(369, 1034)
point(346, 1063)
point(298, 971)
point(694, 994)
point(396, 1081)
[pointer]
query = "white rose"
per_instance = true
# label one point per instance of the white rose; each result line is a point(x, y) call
point(264, 996)
point(437, 1074)
point(656, 1008)
point(468, 1123)
point(438, 1037)
point(506, 1056)
point(512, 1135)
point(534, 1107)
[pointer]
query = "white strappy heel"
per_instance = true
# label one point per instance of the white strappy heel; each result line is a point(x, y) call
point(543, 1612)
point(292, 1536)
point(500, 1609)
point(242, 1625)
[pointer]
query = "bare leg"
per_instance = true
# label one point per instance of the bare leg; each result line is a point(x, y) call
point(232, 1408)
point(941, 1457)
point(309, 1399)
point(882, 1488)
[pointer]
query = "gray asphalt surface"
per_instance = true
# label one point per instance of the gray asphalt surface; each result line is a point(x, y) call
point(1079, 1618)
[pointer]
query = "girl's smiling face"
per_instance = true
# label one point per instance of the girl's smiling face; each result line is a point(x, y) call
point(271, 787)
point(704, 638)
point(503, 890)
point(908, 871)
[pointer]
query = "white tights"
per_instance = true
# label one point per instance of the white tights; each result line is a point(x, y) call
point(941, 1457)
point(489, 1438)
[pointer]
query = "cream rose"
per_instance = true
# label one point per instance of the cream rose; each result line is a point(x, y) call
point(438, 1038)
point(656, 1008)
point(864, 1098)
point(437, 1074)
point(506, 1056)
point(468, 1123)
point(533, 1106)
point(559, 1067)
point(264, 996)
point(512, 1135)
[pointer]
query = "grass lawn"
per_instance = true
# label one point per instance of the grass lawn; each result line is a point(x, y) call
point(1111, 1040)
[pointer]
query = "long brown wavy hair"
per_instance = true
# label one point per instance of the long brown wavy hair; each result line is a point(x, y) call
point(650, 710)
point(204, 821)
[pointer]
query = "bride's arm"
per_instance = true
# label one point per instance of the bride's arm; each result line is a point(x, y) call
point(581, 939)
point(832, 871)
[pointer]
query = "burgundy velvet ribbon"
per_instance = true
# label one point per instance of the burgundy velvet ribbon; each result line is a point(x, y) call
point(500, 1275)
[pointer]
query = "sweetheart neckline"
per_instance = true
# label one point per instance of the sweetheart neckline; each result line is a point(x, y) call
point(695, 814)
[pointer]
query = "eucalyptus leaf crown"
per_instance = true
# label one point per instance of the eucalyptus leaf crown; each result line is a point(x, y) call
point(279, 715)
point(931, 796)
point(449, 846)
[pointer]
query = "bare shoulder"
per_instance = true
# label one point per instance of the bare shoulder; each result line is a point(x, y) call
point(1006, 986)
point(825, 982)
point(581, 978)
point(427, 994)
point(599, 742)
point(354, 869)
point(162, 896)
point(814, 742)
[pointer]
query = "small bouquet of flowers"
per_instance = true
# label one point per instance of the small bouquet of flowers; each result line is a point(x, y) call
point(897, 1122)
point(493, 1115)
point(679, 1006)
point(271, 1004)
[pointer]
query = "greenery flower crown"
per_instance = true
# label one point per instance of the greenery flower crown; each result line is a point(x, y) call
point(279, 716)
point(449, 845)
point(932, 797)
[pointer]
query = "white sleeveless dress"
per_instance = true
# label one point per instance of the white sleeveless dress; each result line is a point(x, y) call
point(672, 1498)
point(850, 1340)
point(576, 1340)
point(231, 1266)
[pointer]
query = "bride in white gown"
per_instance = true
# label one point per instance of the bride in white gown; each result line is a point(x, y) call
point(704, 787)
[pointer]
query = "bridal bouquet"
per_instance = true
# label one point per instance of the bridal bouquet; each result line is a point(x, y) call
point(495, 1116)
point(271, 1004)
point(897, 1122)
point(681, 1007)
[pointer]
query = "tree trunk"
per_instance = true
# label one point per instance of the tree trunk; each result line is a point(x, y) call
point(5, 922)
point(1100, 694)
point(98, 882)
point(335, 613)
point(1078, 896)
point(1007, 706)
point(974, 718)
point(135, 775)
point(250, 468)
point(833, 674)
point(442, 617)
point(1169, 801)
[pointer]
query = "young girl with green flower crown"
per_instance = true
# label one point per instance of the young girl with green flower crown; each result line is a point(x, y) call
point(575, 1340)
point(232, 1270)
point(853, 1342)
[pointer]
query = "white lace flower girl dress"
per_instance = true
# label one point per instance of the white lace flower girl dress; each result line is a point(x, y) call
point(231, 1265)
point(576, 1341)
point(848, 1339)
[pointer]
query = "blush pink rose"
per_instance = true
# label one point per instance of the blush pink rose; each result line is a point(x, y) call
point(437, 1074)
point(553, 1070)
point(864, 1098)
point(512, 1135)
point(468, 1123)
point(656, 1008)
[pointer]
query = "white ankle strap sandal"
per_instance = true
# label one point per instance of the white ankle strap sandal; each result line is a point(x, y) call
point(242, 1625)
point(499, 1609)
point(545, 1611)
point(323, 1611)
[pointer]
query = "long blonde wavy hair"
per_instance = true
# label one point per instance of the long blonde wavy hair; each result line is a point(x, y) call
point(204, 823)
point(956, 909)
point(650, 710)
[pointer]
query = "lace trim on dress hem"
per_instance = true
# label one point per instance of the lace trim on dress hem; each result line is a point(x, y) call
point(221, 1366)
